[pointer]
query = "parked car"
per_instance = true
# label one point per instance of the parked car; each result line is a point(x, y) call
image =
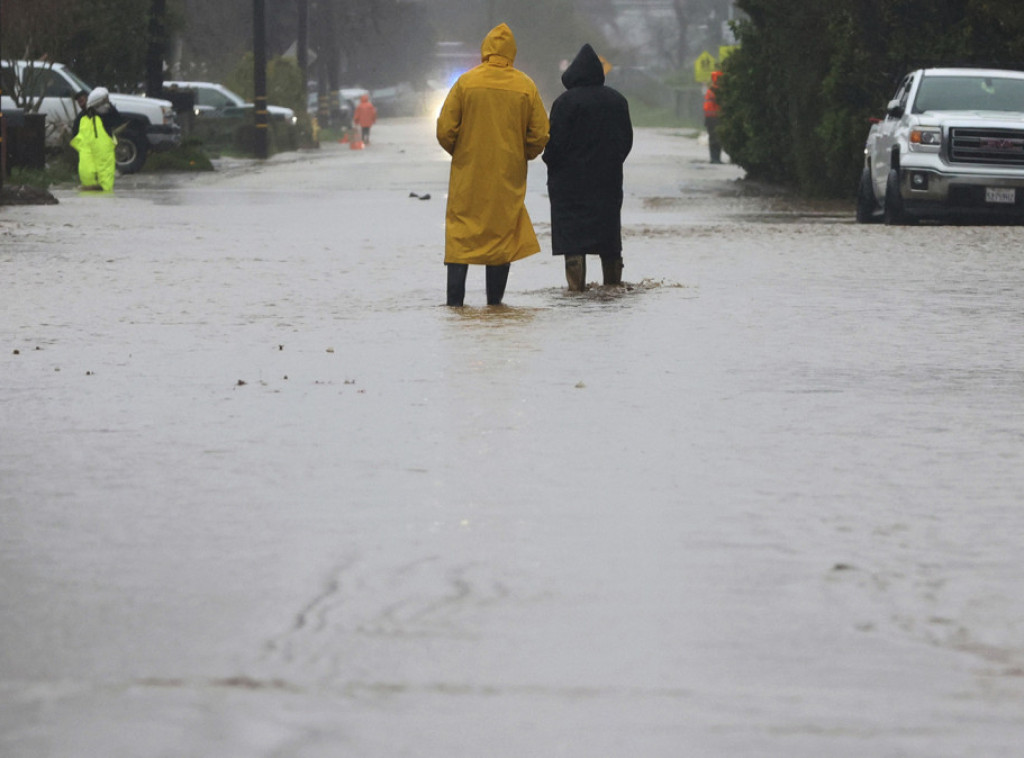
point(399, 100)
point(216, 100)
point(341, 116)
point(151, 121)
point(951, 142)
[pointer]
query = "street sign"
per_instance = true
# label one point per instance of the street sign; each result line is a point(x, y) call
point(724, 51)
point(703, 67)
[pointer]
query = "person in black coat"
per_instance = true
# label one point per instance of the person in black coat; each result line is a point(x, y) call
point(591, 135)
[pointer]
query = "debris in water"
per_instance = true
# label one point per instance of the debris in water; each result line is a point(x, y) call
point(241, 383)
point(580, 385)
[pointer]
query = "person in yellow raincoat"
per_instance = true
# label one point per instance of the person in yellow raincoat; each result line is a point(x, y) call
point(492, 123)
point(95, 142)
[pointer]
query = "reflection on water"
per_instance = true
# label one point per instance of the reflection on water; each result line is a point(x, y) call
point(491, 316)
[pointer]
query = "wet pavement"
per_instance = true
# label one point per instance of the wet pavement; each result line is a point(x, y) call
point(261, 494)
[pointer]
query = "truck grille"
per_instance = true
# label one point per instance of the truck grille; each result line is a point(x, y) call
point(1004, 147)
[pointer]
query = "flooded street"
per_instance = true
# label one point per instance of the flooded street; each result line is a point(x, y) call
point(262, 494)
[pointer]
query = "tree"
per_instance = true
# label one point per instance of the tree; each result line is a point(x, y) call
point(798, 114)
point(82, 36)
point(156, 50)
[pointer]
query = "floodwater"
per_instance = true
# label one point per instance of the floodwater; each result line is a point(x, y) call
point(261, 494)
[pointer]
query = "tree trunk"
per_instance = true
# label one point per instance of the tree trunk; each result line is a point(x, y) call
point(156, 49)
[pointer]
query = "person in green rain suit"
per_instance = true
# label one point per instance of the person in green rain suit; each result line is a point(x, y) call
point(95, 141)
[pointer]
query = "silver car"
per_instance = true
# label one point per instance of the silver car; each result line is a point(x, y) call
point(214, 100)
point(951, 143)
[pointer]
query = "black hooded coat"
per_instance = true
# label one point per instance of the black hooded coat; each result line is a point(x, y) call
point(591, 135)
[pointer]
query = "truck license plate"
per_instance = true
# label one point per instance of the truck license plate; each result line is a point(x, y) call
point(1000, 195)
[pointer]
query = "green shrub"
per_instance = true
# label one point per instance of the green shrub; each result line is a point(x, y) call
point(58, 171)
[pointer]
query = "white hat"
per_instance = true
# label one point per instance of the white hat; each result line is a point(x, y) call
point(96, 97)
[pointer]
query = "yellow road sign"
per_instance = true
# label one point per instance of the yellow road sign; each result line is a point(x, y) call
point(703, 67)
point(724, 51)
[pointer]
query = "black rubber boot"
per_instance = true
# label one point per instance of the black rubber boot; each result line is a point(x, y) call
point(457, 283)
point(497, 278)
point(576, 272)
point(612, 269)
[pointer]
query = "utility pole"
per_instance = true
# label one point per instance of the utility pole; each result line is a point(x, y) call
point(259, 76)
point(302, 44)
point(3, 123)
point(156, 49)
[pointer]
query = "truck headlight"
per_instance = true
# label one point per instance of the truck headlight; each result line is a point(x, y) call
point(926, 136)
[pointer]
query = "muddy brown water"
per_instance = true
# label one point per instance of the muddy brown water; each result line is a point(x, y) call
point(261, 494)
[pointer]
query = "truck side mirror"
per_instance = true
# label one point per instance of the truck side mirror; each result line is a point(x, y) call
point(894, 109)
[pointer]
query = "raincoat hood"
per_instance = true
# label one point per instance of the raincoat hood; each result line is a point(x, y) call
point(585, 70)
point(499, 41)
point(97, 97)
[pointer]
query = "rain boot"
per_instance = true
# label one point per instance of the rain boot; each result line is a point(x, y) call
point(576, 272)
point(457, 283)
point(497, 278)
point(612, 269)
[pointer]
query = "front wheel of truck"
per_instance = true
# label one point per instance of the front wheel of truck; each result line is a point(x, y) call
point(130, 153)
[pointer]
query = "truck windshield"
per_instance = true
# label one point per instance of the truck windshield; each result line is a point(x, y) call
point(969, 93)
point(77, 80)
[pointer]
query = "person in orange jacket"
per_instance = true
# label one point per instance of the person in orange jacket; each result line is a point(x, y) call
point(365, 117)
point(711, 113)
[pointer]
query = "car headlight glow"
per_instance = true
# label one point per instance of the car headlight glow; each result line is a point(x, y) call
point(926, 136)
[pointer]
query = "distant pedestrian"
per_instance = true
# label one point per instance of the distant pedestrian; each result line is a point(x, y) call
point(95, 141)
point(711, 113)
point(365, 116)
point(492, 123)
point(591, 135)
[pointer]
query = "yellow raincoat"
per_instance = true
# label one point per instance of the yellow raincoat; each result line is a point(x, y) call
point(492, 123)
point(96, 161)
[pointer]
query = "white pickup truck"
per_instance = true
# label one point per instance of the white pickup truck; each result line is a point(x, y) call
point(151, 123)
point(951, 143)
